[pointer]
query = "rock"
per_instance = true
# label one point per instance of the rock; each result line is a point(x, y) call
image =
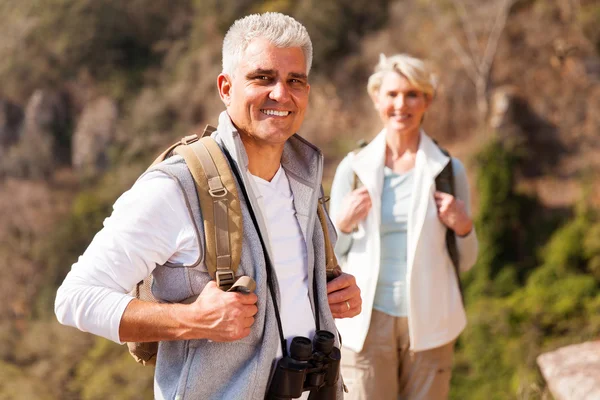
point(503, 106)
point(46, 111)
point(95, 132)
point(43, 138)
point(573, 372)
point(11, 117)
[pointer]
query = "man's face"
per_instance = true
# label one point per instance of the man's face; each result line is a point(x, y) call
point(267, 96)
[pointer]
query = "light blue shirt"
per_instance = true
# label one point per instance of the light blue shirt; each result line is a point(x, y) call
point(391, 294)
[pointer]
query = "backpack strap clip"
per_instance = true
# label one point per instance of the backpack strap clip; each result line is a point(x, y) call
point(225, 278)
point(189, 139)
point(216, 187)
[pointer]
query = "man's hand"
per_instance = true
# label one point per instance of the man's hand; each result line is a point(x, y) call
point(222, 316)
point(343, 295)
point(452, 213)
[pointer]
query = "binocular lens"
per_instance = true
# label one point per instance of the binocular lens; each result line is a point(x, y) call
point(323, 341)
point(301, 348)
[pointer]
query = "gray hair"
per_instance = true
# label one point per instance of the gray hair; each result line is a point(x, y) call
point(413, 69)
point(281, 30)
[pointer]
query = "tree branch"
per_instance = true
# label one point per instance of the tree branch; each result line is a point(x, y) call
point(459, 5)
point(468, 62)
point(494, 37)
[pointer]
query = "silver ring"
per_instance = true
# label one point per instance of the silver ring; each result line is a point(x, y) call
point(348, 304)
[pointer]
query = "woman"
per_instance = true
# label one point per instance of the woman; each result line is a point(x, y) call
point(392, 238)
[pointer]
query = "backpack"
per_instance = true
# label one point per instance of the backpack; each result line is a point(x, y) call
point(222, 217)
point(444, 182)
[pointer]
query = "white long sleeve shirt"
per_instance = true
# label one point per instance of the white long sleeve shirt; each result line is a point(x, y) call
point(151, 225)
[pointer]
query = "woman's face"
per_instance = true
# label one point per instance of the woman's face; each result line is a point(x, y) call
point(401, 106)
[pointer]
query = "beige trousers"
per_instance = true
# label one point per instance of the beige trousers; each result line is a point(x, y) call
point(386, 370)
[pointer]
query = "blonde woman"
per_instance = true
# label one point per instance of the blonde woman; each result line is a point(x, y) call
point(392, 233)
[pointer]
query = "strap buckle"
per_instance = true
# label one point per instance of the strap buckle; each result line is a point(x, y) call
point(189, 139)
point(216, 187)
point(324, 199)
point(225, 278)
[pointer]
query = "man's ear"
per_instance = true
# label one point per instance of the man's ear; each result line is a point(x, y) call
point(224, 84)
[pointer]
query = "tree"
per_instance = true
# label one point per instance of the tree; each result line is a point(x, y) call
point(481, 25)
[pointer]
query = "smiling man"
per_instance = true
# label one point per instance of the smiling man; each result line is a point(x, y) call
point(224, 345)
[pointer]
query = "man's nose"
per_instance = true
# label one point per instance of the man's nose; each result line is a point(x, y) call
point(279, 92)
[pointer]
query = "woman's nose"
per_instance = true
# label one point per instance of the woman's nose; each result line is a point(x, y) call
point(399, 101)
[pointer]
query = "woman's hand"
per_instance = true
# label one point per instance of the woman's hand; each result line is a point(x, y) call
point(354, 208)
point(452, 212)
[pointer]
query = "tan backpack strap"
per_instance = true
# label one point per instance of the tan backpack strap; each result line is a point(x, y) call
point(167, 153)
point(332, 267)
point(361, 144)
point(208, 130)
point(243, 284)
point(222, 216)
point(220, 207)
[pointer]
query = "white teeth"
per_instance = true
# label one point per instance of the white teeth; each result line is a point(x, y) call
point(276, 113)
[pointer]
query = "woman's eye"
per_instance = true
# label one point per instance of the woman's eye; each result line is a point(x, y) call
point(413, 93)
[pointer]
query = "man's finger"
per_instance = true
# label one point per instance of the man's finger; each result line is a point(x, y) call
point(248, 322)
point(342, 310)
point(342, 295)
point(249, 298)
point(250, 310)
point(210, 285)
point(342, 281)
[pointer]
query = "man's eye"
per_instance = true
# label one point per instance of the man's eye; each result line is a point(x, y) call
point(413, 93)
point(297, 82)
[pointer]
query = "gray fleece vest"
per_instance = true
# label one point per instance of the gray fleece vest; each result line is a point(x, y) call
point(201, 369)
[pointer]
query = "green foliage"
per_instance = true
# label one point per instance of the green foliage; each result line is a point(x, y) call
point(120, 379)
point(223, 12)
point(16, 384)
point(40, 361)
point(90, 208)
point(499, 208)
point(336, 28)
point(112, 40)
point(588, 16)
point(514, 317)
point(534, 287)
point(503, 224)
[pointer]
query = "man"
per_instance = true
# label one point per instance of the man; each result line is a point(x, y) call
point(223, 345)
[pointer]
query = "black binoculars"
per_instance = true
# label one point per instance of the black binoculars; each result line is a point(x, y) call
point(310, 366)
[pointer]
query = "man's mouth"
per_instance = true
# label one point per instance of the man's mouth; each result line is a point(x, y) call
point(276, 113)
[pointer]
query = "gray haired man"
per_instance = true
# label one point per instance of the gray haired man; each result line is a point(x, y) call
point(224, 345)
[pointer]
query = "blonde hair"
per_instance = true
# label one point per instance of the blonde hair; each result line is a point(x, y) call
point(413, 69)
point(281, 30)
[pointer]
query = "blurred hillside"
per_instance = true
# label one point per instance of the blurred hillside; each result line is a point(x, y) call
point(90, 91)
